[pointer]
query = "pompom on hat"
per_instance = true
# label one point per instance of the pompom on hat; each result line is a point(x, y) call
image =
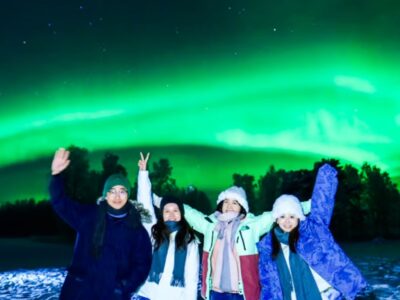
point(287, 204)
point(235, 193)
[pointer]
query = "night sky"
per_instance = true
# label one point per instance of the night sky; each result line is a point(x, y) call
point(216, 86)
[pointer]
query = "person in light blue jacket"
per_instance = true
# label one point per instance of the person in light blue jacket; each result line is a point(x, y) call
point(299, 258)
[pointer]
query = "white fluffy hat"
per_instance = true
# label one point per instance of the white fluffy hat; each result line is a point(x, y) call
point(235, 193)
point(287, 204)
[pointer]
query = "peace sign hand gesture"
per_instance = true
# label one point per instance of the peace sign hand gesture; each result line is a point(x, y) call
point(142, 163)
point(60, 161)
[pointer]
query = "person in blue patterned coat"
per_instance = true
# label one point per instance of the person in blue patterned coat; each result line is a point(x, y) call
point(112, 254)
point(299, 258)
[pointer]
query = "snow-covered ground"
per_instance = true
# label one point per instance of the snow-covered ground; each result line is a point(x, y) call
point(382, 274)
point(31, 284)
point(380, 264)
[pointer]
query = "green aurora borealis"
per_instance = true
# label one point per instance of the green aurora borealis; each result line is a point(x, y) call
point(215, 95)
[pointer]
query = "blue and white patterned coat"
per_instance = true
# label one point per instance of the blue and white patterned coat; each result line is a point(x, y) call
point(316, 246)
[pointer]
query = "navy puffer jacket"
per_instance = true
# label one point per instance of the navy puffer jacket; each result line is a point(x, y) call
point(125, 258)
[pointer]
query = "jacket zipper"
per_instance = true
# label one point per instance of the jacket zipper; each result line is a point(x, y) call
point(244, 246)
point(212, 239)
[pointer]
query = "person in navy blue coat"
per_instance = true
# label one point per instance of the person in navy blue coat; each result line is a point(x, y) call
point(112, 255)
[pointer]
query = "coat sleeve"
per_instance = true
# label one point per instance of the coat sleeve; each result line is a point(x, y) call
point(262, 223)
point(144, 196)
point(196, 219)
point(306, 205)
point(72, 212)
point(192, 271)
point(323, 196)
point(262, 266)
point(140, 262)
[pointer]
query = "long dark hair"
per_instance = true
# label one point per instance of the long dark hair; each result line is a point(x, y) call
point(132, 220)
point(276, 245)
point(161, 233)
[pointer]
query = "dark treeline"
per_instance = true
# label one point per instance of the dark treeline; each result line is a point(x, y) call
point(367, 201)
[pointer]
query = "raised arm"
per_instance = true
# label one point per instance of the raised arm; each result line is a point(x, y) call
point(70, 211)
point(196, 219)
point(323, 196)
point(262, 223)
point(144, 194)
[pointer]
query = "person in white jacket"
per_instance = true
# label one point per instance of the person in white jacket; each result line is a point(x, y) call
point(174, 271)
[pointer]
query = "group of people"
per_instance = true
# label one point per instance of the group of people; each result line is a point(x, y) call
point(123, 252)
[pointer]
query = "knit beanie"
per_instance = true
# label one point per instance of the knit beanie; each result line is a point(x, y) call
point(235, 193)
point(116, 179)
point(287, 204)
point(172, 199)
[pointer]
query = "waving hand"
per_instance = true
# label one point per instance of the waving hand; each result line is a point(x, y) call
point(60, 161)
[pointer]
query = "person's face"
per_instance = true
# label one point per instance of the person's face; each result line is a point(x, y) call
point(287, 222)
point(117, 196)
point(171, 212)
point(230, 205)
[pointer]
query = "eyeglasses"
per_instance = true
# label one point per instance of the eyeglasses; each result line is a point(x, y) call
point(121, 193)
